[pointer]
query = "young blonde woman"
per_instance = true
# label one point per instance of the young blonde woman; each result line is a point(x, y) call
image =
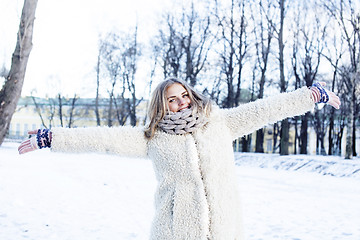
point(189, 141)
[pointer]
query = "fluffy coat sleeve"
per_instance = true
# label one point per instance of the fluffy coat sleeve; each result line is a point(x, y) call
point(250, 117)
point(124, 141)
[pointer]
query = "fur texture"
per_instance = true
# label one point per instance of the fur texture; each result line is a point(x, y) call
point(197, 195)
point(123, 141)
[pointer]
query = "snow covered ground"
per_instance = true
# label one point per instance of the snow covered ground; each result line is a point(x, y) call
point(54, 196)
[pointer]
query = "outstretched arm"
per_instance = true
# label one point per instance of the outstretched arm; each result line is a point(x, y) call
point(249, 117)
point(124, 141)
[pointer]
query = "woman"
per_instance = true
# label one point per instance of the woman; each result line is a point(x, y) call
point(189, 141)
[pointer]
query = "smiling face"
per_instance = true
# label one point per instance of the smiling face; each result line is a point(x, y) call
point(177, 97)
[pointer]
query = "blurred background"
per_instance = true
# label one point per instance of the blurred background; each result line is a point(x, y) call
point(95, 63)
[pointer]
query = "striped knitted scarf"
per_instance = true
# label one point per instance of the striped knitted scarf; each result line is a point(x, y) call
point(185, 121)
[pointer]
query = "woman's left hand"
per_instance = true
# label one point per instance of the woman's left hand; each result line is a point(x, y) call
point(333, 100)
point(321, 95)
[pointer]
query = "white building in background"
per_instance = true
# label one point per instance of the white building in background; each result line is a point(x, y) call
point(27, 115)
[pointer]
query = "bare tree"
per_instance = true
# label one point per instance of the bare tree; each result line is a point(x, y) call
point(70, 105)
point(71, 111)
point(234, 46)
point(184, 42)
point(284, 132)
point(276, 134)
point(298, 84)
point(196, 43)
point(319, 125)
point(154, 58)
point(11, 90)
point(171, 44)
point(120, 53)
point(263, 32)
point(279, 33)
point(227, 54)
point(345, 13)
point(60, 110)
point(97, 113)
point(307, 51)
point(121, 109)
point(112, 63)
point(64, 108)
point(344, 75)
point(39, 111)
point(46, 109)
point(130, 55)
point(98, 69)
point(334, 53)
point(215, 90)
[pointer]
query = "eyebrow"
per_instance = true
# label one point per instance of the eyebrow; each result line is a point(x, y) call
point(175, 96)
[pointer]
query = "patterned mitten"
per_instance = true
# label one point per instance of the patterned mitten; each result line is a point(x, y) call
point(320, 95)
point(41, 140)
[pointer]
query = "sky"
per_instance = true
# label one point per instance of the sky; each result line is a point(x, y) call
point(65, 39)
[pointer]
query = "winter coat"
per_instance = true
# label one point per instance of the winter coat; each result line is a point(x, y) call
point(197, 195)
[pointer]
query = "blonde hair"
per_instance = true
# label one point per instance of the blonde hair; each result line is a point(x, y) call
point(158, 103)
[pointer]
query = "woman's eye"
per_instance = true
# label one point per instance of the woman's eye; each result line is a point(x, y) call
point(171, 100)
point(185, 95)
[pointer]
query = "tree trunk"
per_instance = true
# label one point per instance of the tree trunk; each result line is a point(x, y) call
point(339, 136)
point(110, 114)
point(97, 114)
point(245, 143)
point(322, 145)
point(60, 110)
point(304, 133)
point(348, 149)
point(11, 91)
point(296, 138)
point(317, 144)
point(275, 136)
point(349, 130)
point(331, 133)
point(133, 118)
point(354, 136)
point(259, 146)
point(284, 141)
point(71, 119)
point(332, 114)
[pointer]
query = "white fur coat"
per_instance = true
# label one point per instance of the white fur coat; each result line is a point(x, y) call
point(197, 194)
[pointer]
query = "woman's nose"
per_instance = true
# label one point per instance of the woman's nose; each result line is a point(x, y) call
point(181, 101)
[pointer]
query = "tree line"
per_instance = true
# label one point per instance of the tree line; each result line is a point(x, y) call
point(237, 51)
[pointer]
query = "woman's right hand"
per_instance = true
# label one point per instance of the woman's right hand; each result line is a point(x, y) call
point(30, 144)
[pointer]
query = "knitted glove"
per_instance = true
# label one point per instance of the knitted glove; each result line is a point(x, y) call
point(41, 140)
point(320, 95)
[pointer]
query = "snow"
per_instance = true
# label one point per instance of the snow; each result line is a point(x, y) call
point(325, 165)
point(56, 196)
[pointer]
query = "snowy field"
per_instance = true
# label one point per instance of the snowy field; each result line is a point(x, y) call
point(53, 196)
